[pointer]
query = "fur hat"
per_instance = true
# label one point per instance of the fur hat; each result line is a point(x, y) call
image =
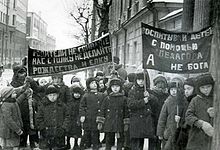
point(74, 79)
point(76, 89)
point(160, 78)
point(204, 79)
point(52, 89)
point(115, 81)
point(99, 73)
point(131, 77)
point(89, 80)
point(19, 69)
point(190, 81)
point(6, 92)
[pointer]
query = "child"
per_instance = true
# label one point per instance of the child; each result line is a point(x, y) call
point(200, 115)
point(10, 120)
point(113, 115)
point(143, 111)
point(189, 88)
point(75, 128)
point(89, 106)
point(171, 115)
point(52, 120)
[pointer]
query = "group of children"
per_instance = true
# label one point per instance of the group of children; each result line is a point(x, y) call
point(173, 116)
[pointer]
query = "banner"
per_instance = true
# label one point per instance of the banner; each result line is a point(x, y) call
point(176, 52)
point(41, 62)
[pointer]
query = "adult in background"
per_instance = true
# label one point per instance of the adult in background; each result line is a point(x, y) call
point(119, 68)
point(26, 107)
point(64, 91)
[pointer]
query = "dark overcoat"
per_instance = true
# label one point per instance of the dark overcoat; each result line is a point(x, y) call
point(114, 113)
point(90, 104)
point(142, 116)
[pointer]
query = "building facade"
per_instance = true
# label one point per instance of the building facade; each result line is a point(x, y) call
point(50, 42)
point(125, 26)
point(13, 45)
point(36, 31)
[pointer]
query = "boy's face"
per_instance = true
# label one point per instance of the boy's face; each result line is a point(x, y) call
point(161, 86)
point(14, 94)
point(57, 80)
point(188, 90)
point(52, 97)
point(115, 88)
point(22, 75)
point(43, 82)
point(93, 85)
point(140, 82)
point(101, 84)
point(173, 91)
point(206, 89)
point(76, 95)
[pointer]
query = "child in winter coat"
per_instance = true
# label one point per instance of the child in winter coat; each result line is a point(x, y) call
point(113, 117)
point(89, 106)
point(52, 120)
point(143, 112)
point(75, 126)
point(200, 115)
point(10, 120)
point(171, 115)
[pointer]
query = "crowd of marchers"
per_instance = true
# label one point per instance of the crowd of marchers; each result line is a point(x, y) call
point(174, 115)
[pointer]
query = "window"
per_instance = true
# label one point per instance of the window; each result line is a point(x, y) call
point(136, 6)
point(13, 19)
point(134, 53)
point(129, 9)
point(121, 8)
point(14, 4)
point(1, 17)
point(128, 54)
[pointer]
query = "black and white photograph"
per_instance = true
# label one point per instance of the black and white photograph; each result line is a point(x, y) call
point(109, 74)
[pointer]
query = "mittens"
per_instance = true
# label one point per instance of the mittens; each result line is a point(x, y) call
point(211, 112)
point(207, 128)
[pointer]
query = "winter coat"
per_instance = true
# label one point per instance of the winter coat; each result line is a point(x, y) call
point(114, 113)
point(10, 119)
point(197, 110)
point(89, 106)
point(167, 125)
point(24, 107)
point(75, 126)
point(142, 116)
point(53, 118)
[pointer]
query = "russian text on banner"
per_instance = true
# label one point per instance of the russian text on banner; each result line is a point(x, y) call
point(176, 52)
point(41, 62)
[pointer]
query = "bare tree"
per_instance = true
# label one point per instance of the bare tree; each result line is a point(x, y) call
point(82, 16)
point(103, 7)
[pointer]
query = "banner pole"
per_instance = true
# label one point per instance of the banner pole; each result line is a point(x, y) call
point(145, 84)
